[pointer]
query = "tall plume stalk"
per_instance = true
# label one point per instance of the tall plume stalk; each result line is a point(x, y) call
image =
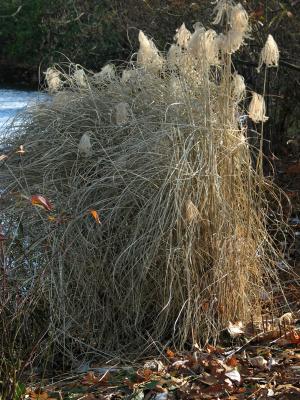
point(158, 151)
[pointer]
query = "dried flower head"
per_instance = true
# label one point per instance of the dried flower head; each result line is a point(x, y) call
point(182, 36)
point(106, 73)
point(121, 113)
point(257, 108)
point(192, 212)
point(238, 87)
point(195, 43)
point(80, 78)
point(269, 54)
point(148, 55)
point(127, 74)
point(231, 42)
point(239, 19)
point(53, 80)
point(222, 8)
point(205, 45)
point(84, 145)
point(176, 88)
point(211, 47)
point(174, 56)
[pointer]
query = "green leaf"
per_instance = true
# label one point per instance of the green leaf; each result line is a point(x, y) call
point(150, 385)
point(19, 391)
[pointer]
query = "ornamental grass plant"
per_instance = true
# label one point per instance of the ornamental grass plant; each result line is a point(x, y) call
point(158, 151)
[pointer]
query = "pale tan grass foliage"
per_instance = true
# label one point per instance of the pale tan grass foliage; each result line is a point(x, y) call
point(157, 150)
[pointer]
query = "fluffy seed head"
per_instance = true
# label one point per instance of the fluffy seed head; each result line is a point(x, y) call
point(52, 77)
point(238, 19)
point(121, 113)
point(182, 36)
point(192, 212)
point(257, 108)
point(231, 42)
point(84, 145)
point(205, 45)
point(222, 8)
point(238, 87)
point(173, 56)
point(269, 54)
point(148, 55)
point(127, 74)
point(106, 73)
point(80, 78)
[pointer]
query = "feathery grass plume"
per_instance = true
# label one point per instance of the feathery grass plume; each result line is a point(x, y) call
point(192, 212)
point(121, 113)
point(222, 11)
point(269, 54)
point(182, 36)
point(127, 75)
point(239, 87)
point(80, 78)
point(53, 80)
point(204, 45)
point(231, 41)
point(176, 88)
point(195, 43)
point(211, 47)
point(239, 19)
point(85, 145)
point(107, 73)
point(257, 108)
point(174, 57)
point(148, 56)
point(183, 247)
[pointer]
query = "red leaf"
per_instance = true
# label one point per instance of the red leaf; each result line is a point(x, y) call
point(170, 353)
point(41, 201)
point(232, 361)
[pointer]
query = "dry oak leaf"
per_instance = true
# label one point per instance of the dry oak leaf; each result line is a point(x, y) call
point(37, 394)
point(170, 353)
point(232, 362)
point(95, 215)
point(41, 201)
point(91, 379)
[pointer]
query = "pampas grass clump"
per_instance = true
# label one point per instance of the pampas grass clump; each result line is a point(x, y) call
point(157, 151)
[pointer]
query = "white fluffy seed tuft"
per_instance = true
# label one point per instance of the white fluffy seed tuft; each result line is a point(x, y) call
point(107, 73)
point(257, 108)
point(122, 113)
point(84, 145)
point(269, 54)
point(182, 36)
point(238, 87)
point(80, 78)
point(53, 80)
point(148, 55)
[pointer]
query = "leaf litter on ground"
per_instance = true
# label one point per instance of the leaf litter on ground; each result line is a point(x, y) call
point(259, 368)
